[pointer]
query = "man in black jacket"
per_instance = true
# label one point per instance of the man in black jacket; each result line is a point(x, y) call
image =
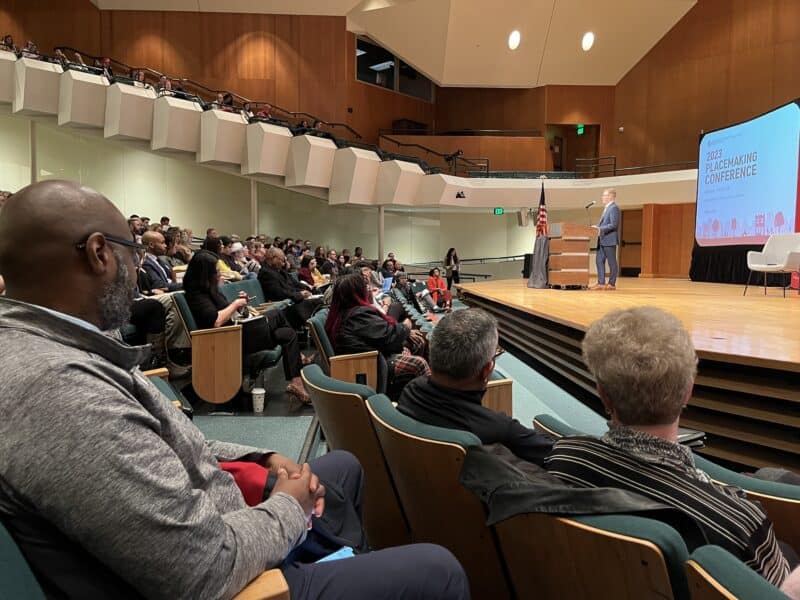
point(463, 349)
point(158, 272)
point(279, 285)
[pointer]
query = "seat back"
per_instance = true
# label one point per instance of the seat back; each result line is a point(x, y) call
point(342, 412)
point(781, 501)
point(320, 336)
point(17, 581)
point(603, 556)
point(251, 286)
point(715, 574)
point(179, 298)
point(425, 462)
point(779, 245)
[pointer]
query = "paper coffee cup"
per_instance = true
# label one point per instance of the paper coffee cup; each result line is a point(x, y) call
point(258, 399)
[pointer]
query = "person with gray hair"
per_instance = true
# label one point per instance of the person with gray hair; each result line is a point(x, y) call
point(644, 363)
point(462, 356)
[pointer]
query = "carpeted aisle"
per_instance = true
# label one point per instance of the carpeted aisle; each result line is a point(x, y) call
point(286, 435)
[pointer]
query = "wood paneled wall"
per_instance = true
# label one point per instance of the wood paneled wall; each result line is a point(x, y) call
point(725, 61)
point(479, 108)
point(504, 153)
point(667, 239)
point(299, 62)
point(67, 22)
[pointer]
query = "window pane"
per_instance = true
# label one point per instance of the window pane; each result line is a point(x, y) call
point(374, 64)
point(414, 83)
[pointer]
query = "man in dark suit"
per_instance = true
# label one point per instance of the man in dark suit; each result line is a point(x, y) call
point(279, 285)
point(330, 266)
point(608, 238)
point(159, 273)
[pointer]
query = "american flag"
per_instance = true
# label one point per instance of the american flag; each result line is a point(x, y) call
point(541, 221)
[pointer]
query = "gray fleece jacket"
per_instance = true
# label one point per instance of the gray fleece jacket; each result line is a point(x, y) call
point(88, 445)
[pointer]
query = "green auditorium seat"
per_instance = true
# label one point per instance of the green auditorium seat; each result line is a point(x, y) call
point(780, 500)
point(217, 362)
point(17, 581)
point(368, 368)
point(614, 557)
point(424, 462)
point(342, 412)
point(715, 574)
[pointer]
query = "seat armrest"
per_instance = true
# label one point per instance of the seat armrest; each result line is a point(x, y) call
point(163, 373)
point(215, 330)
point(270, 585)
point(755, 256)
point(498, 396)
point(356, 368)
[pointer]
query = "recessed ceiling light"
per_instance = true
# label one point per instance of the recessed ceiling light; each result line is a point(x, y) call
point(384, 66)
point(588, 41)
point(513, 40)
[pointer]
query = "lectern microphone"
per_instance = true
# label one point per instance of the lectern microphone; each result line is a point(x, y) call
point(592, 203)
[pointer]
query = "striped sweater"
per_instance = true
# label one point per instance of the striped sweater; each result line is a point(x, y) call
point(665, 471)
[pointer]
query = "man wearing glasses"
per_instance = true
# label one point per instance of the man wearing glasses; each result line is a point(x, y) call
point(107, 488)
point(462, 356)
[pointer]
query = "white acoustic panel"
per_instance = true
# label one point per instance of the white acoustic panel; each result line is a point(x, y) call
point(176, 124)
point(36, 87)
point(310, 161)
point(222, 137)
point(129, 112)
point(82, 99)
point(267, 149)
point(7, 60)
point(442, 190)
point(398, 182)
point(355, 172)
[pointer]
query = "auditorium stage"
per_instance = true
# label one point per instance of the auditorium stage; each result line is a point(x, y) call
point(747, 393)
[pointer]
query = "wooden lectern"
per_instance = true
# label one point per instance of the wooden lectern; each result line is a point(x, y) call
point(568, 263)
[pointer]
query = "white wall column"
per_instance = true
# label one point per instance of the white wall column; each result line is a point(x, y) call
point(253, 207)
point(381, 215)
point(32, 150)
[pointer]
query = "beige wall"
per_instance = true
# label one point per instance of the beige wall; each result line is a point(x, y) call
point(134, 180)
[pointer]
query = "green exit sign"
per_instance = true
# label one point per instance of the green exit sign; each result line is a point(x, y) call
point(580, 128)
point(499, 211)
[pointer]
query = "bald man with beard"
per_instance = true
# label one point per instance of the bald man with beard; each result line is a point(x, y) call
point(108, 490)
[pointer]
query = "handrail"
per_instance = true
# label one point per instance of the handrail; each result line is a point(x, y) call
point(249, 104)
point(464, 132)
point(243, 102)
point(588, 167)
point(451, 159)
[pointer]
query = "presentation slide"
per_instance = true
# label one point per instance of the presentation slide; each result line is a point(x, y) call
point(747, 181)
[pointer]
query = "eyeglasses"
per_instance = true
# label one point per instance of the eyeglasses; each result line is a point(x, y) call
point(498, 352)
point(114, 240)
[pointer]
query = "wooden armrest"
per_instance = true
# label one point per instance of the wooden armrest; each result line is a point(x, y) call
point(498, 396)
point(162, 372)
point(348, 367)
point(270, 585)
point(215, 330)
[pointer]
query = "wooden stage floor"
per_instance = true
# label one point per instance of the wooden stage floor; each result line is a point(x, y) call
point(753, 330)
point(747, 392)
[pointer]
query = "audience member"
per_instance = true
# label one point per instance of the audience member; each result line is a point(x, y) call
point(462, 355)
point(358, 254)
point(309, 273)
point(346, 254)
point(355, 325)
point(451, 267)
point(158, 272)
point(146, 222)
point(211, 309)
point(136, 228)
point(645, 365)
point(126, 456)
point(164, 224)
point(331, 266)
point(215, 246)
point(387, 268)
point(438, 289)
point(211, 233)
point(279, 285)
point(255, 258)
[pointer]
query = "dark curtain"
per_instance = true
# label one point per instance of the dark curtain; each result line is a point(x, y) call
point(720, 264)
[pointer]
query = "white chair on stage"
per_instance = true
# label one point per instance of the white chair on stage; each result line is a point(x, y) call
point(781, 254)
